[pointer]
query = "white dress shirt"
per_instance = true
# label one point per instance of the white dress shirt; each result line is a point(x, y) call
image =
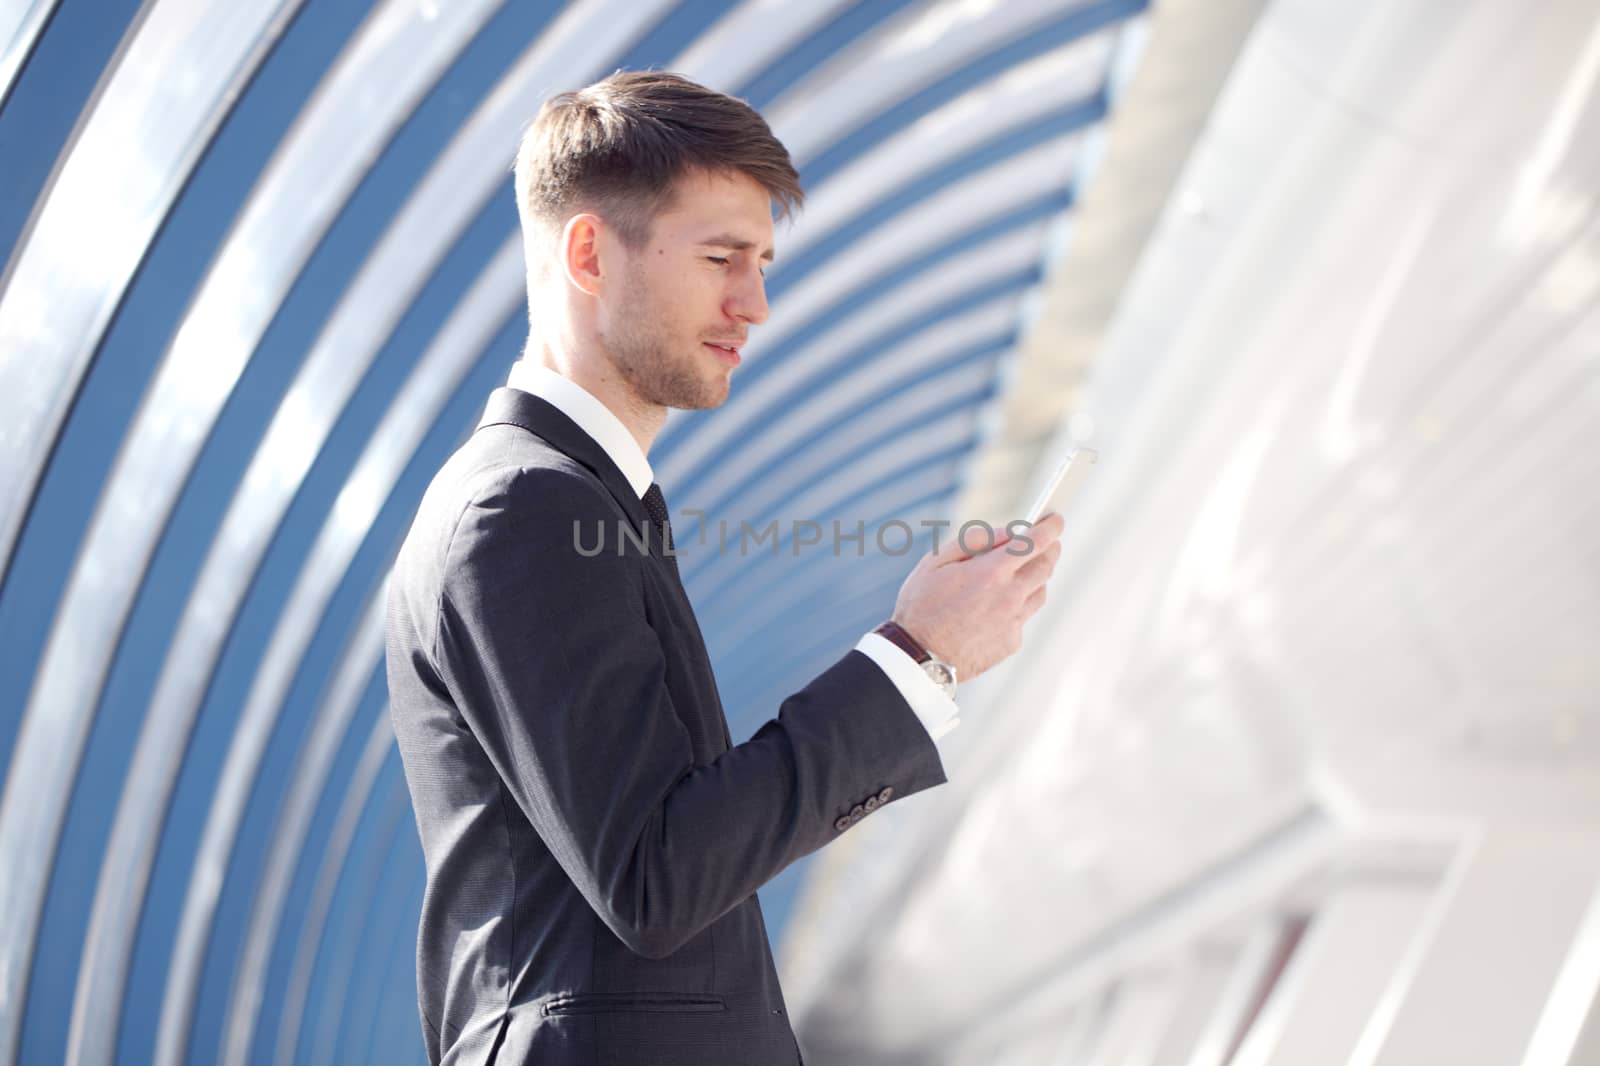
point(933, 708)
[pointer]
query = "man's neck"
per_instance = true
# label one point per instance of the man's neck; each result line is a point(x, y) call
point(601, 379)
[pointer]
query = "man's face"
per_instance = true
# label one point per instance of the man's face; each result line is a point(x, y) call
point(684, 303)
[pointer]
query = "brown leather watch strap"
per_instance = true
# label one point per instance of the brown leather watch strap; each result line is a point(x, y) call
point(896, 635)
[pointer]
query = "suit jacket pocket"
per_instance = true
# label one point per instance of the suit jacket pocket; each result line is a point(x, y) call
point(633, 1002)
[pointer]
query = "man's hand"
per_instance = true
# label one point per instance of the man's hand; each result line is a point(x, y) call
point(969, 609)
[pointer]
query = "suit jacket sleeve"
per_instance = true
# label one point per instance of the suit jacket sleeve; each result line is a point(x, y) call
point(558, 672)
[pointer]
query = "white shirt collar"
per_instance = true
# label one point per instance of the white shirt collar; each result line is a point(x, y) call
point(592, 416)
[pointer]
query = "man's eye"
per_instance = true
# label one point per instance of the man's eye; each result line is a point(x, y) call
point(717, 259)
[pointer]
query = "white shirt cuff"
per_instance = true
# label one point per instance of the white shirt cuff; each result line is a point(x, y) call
point(936, 711)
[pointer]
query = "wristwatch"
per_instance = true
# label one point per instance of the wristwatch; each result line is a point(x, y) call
point(942, 673)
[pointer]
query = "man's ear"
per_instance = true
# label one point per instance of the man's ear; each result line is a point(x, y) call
point(579, 252)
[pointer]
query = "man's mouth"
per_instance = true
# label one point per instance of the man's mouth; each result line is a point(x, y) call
point(727, 352)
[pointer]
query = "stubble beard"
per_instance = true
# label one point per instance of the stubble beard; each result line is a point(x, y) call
point(640, 347)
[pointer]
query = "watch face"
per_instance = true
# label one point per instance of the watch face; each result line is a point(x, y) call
point(941, 673)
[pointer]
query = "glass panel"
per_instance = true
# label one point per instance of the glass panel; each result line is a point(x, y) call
point(20, 25)
point(155, 115)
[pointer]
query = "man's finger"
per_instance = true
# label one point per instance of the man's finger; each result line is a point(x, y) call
point(1037, 567)
point(980, 541)
point(1040, 536)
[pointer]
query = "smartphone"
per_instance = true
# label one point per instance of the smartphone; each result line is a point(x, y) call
point(1060, 489)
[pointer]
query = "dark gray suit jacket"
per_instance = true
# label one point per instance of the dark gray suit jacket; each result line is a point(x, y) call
point(593, 842)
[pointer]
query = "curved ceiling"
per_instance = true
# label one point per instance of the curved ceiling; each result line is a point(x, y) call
point(263, 272)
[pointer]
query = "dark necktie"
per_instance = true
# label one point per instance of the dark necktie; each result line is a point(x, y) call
point(655, 505)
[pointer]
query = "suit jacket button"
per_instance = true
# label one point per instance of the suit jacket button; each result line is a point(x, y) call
point(872, 803)
point(885, 796)
point(843, 822)
point(858, 812)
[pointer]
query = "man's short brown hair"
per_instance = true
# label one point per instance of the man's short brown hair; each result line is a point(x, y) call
point(618, 147)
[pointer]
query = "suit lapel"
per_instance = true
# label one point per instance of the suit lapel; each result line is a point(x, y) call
point(544, 420)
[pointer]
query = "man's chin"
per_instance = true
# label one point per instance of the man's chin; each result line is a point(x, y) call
point(686, 395)
point(704, 399)
point(698, 402)
point(702, 403)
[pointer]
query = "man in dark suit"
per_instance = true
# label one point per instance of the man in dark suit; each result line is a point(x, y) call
point(594, 840)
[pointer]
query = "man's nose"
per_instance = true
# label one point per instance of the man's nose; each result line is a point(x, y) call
point(749, 300)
